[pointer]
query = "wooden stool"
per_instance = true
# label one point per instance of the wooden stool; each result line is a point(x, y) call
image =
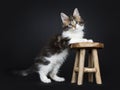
point(93, 63)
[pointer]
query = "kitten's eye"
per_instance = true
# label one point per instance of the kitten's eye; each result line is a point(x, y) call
point(81, 23)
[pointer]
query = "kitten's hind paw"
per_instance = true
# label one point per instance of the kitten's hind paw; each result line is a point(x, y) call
point(46, 81)
point(58, 79)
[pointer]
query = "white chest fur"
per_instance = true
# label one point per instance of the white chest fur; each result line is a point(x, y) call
point(74, 35)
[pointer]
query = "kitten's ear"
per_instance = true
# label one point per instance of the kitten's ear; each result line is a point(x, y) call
point(76, 14)
point(65, 18)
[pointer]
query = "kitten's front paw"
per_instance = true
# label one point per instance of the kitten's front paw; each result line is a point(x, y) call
point(90, 40)
point(58, 79)
point(46, 81)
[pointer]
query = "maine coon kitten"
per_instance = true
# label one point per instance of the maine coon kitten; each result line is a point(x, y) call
point(73, 27)
point(49, 60)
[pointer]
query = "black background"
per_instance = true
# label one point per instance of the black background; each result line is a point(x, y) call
point(27, 26)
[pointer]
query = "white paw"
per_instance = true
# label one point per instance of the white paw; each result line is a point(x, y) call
point(90, 40)
point(46, 81)
point(58, 79)
point(84, 40)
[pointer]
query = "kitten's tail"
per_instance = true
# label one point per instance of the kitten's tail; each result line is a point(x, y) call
point(25, 72)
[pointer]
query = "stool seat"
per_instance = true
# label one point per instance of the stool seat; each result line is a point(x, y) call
point(93, 62)
point(87, 45)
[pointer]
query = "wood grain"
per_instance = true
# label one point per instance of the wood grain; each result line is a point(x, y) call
point(87, 45)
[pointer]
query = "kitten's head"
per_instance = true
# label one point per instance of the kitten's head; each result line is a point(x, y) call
point(73, 22)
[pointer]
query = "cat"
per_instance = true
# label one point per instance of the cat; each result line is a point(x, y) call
point(73, 27)
point(49, 60)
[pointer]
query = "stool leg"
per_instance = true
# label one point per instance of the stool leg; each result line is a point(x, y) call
point(75, 65)
point(96, 65)
point(90, 65)
point(81, 66)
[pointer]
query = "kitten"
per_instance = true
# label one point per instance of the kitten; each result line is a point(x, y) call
point(49, 60)
point(73, 27)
